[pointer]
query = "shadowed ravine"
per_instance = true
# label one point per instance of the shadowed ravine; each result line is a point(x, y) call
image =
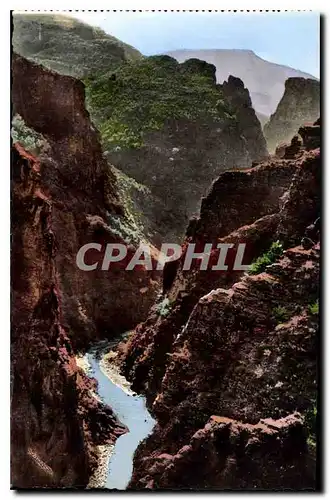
point(131, 410)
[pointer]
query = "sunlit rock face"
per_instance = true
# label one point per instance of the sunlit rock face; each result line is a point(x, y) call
point(300, 104)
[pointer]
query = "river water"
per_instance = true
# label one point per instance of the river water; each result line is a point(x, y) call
point(130, 409)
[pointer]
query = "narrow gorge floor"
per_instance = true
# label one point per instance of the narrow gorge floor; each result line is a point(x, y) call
point(130, 408)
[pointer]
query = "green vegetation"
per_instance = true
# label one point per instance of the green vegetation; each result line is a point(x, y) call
point(275, 251)
point(164, 307)
point(281, 314)
point(67, 45)
point(311, 424)
point(121, 227)
point(314, 308)
point(131, 227)
point(143, 95)
point(29, 138)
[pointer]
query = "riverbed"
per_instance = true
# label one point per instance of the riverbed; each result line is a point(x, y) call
point(131, 410)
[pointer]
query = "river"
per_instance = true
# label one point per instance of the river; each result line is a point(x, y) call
point(130, 409)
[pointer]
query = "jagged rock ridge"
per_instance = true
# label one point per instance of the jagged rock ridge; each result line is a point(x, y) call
point(85, 204)
point(300, 104)
point(242, 347)
point(264, 80)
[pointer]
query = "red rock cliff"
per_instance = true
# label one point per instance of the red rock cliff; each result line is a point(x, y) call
point(82, 190)
point(55, 421)
point(240, 346)
point(61, 201)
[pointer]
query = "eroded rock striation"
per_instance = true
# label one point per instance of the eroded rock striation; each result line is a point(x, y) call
point(230, 362)
point(83, 193)
point(56, 423)
point(299, 105)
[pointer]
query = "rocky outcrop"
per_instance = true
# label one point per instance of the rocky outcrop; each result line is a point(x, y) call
point(236, 345)
point(54, 106)
point(185, 132)
point(223, 451)
point(237, 358)
point(228, 215)
point(300, 104)
point(56, 423)
point(82, 191)
point(249, 127)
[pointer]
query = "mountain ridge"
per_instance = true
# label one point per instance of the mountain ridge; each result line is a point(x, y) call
point(265, 82)
point(68, 45)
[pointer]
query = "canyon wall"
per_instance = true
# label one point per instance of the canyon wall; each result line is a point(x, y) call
point(83, 193)
point(56, 423)
point(61, 201)
point(228, 359)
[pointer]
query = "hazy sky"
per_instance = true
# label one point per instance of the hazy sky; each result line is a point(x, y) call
point(285, 38)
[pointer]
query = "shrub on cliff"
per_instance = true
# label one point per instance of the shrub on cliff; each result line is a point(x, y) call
point(29, 138)
point(143, 95)
point(269, 257)
point(131, 227)
point(314, 308)
point(281, 314)
point(164, 308)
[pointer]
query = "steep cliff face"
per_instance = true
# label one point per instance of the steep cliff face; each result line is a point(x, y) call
point(62, 200)
point(300, 104)
point(170, 127)
point(56, 423)
point(233, 357)
point(227, 454)
point(82, 190)
point(239, 100)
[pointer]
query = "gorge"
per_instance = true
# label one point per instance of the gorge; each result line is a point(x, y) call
point(171, 377)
